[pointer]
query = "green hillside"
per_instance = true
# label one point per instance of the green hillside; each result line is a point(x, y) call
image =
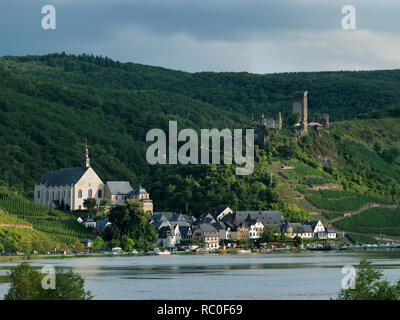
point(49, 106)
point(23, 223)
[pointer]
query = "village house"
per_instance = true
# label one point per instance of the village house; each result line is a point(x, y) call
point(309, 229)
point(120, 191)
point(242, 230)
point(117, 192)
point(88, 243)
point(168, 236)
point(256, 229)
point(89, 223)
point(207, 234)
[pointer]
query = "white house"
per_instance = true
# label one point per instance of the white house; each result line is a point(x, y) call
point(169, 236)
point(89, 223)
point(255, 230)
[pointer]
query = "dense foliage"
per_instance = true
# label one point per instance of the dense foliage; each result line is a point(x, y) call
point(26, 284)
point(374, 220)
point(130, 227)
point(369, 285)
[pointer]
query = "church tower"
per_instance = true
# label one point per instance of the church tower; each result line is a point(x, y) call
point(86, 159)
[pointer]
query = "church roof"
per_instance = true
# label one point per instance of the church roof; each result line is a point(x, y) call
point(119, 187)
point(140, 190)
point(62, 177)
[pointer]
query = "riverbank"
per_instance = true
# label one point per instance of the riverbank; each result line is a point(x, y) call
point(5, 258)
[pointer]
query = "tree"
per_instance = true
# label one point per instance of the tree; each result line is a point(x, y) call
point(78, 246)
point(293, 118)
point(130, 221)
point(89, 203)
point(377, 147)
point(26, 284)
point(127, 243)
point(370, 286)
point(98, 243)
point(105, 202)
point(390, 155)
point(269, 233)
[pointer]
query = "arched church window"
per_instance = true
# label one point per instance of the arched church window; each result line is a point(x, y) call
point(90, 193)
point(100, 194)
point(38, 194)
point(79, 193)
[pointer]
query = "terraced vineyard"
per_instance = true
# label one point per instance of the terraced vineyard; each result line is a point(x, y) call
point(57, 223)
point(356, 238)
point(306, 174)
point(301, 170)
point(379, 165)
point(315, 181)
point(342, 201)
point(373, 221)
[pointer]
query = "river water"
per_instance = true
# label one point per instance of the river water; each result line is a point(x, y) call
point(307, 275)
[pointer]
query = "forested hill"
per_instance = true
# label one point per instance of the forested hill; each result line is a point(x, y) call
point(50, 104)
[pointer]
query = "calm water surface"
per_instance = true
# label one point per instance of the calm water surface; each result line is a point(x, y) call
point(309, 275)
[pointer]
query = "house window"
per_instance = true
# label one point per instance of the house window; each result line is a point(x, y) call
point(79, 193)
point(90, 193)
point(100, 194)
point(38, 194)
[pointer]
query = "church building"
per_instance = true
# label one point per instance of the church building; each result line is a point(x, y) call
point(69, 187)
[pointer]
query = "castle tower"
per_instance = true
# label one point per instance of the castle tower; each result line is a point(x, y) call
point(280, 120)
point(325, 117)
point(86, 159)
point(300, 106)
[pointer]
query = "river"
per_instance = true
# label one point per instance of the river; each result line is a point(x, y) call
point(307, 275)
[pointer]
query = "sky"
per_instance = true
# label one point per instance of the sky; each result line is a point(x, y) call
point(257, 36)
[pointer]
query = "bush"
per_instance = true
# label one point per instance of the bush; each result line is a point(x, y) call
point(370, 286)
point(26, 284)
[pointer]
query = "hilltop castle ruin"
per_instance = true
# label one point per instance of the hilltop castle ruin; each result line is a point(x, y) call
point(300, 107)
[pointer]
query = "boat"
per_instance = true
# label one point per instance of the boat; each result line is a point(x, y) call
point(163, 253)
point(243, 251)
point(323, 248)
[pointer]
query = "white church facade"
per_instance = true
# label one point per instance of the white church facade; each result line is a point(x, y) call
point(68, 188)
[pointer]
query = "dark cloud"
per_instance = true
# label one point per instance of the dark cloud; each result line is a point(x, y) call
point(190, 34)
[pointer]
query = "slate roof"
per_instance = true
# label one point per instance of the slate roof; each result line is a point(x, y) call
point(62, 177)
point(166, 231)
point(205, 227)
point(184, 230)
point(297, 227)
point(172, 217)
point(214, 212)
point(307, 228)
point(140, 190)
point(266, 217)
point(119, 187)
point(101, 224)
point(180, 223)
